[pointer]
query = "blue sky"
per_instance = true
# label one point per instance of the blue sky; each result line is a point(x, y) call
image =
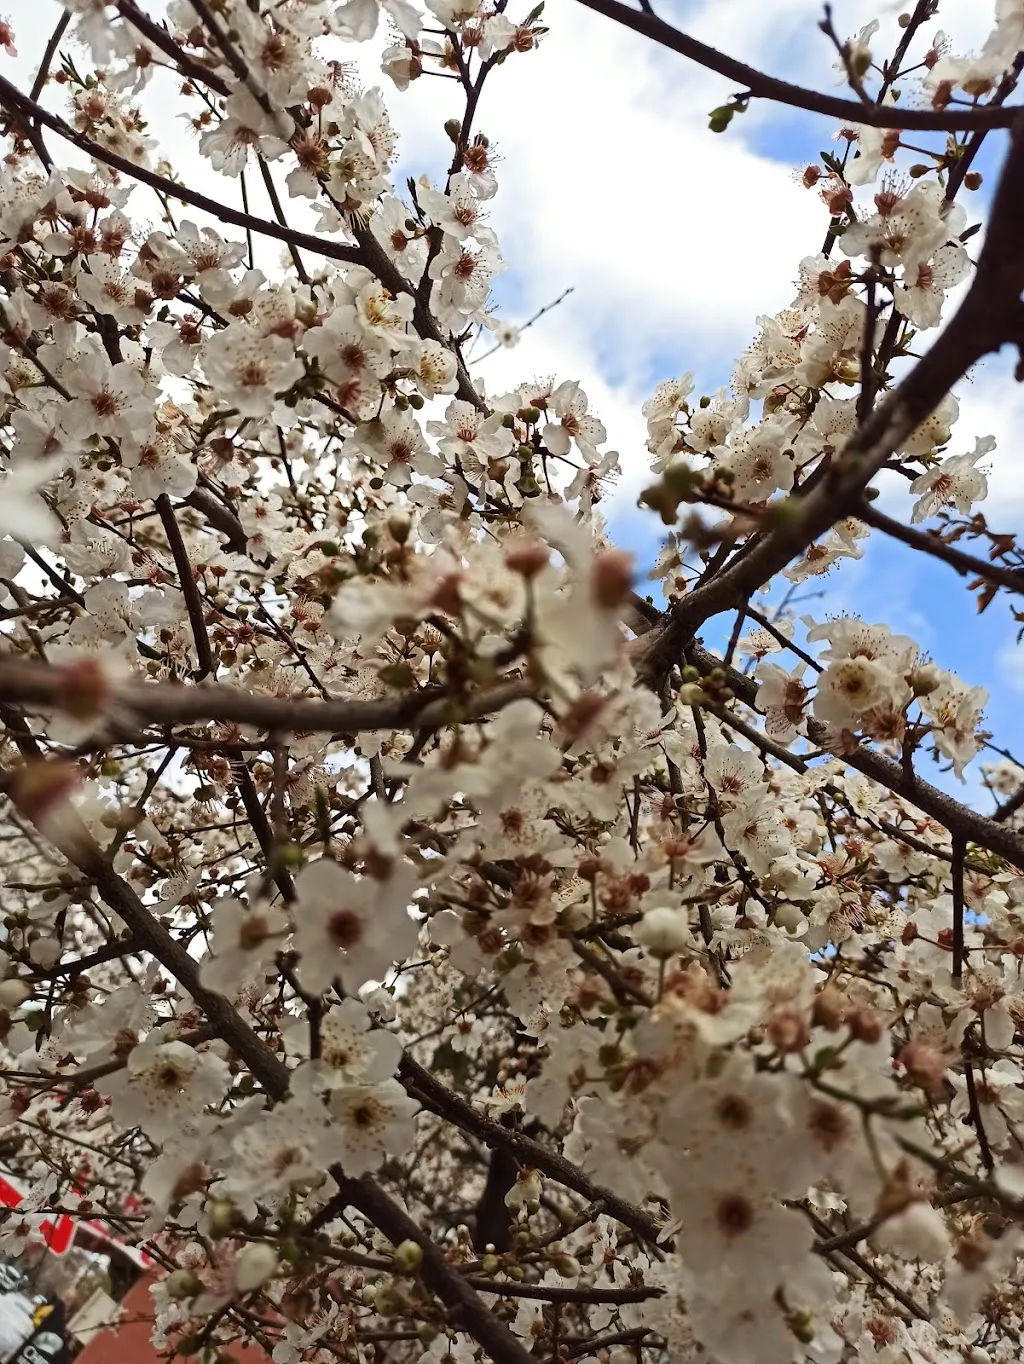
point(675, 240)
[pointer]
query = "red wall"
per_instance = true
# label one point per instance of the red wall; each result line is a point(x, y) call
point(130, 1341)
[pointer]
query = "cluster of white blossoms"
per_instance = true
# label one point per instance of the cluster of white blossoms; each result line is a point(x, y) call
point(432, 946)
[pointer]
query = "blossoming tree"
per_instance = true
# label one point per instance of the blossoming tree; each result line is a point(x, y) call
point(420, 941)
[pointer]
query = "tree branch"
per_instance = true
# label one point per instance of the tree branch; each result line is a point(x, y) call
point(13, 99)
point(186, 578)
point(167, 703)
point(958, 818)
point(930, 542)
point(762, 86)
point(988, 317)
point(446, 1104)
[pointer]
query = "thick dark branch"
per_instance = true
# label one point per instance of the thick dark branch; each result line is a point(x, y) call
point(442, 1278)
point(632, 1335)
point(957, 873)
point(955, 816)
point(220, 517)
point(271, 1072)
point(873, 1273)
point(761, 86)
point(446, 1104)
point(43, 74)
point(150, 935)
point(1011, 806)
point(186, 578)
point(167, 44)
point(974, 144)
point(552, 1293)
point(977, 1121)
point(257, 818)
point(169, 703)
point(86, 1076)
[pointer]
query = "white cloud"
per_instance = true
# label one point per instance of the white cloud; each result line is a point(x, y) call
point(610, 181)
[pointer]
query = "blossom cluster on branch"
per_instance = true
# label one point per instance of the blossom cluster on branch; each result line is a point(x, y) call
point(419, 940)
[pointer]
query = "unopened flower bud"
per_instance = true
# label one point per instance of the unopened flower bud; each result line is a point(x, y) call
point(575, 916)
point(566, 1265)
point(45, 952)
point(39, 788)
point(691, 694)
point(972, 1250)
point(611, 578)
point(801, 1324)
point(788, 917)
point(865, 1025)
point(289, 855)
point(182, 1284)
point(387, 1300)
point(589, 868)
point(254, 1266)
point(664, 932)
point(407, 1257)
point(787, 1029)
point(860, 60)
point(527, 560)
point(13, 993)
point(399, 525)
point(829, 1009)
point(83, 688)
point(221, 1215)
point(973, 180)
point(925, 1066)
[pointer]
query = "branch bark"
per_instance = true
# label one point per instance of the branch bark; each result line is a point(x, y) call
point(930, 542)
point(955, 816)
point(446, 1104)
point(167, 703)
point(186, 579)
point(12, 99)
point(762, 86)
point(271, 1072)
